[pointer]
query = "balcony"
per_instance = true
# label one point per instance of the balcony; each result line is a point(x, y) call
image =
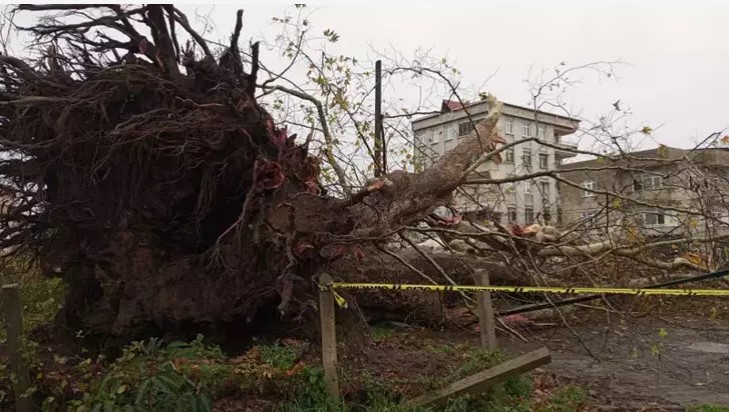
point(565, 150)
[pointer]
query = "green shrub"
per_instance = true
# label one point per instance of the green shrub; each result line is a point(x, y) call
point(152, 377)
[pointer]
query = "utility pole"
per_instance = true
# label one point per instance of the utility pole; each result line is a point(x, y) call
point(380, 149)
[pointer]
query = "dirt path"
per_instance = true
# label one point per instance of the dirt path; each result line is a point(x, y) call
point(670, 363)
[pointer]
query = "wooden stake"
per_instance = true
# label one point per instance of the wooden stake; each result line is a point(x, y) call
point(328, 336)
point(478, 383)
point(13, 312)
point(486, 320)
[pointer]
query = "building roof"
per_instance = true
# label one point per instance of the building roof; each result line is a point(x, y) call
point(710, 155)
point(448, 106)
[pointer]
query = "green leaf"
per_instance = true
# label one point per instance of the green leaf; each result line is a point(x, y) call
point(655, 350)
point(662, 150)
point(178, 345)
point(141, 392)
point(662, 333)
point(331, 35)
point(174, 382)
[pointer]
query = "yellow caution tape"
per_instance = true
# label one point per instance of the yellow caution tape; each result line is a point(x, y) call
point(340, 301)
point(531, 289)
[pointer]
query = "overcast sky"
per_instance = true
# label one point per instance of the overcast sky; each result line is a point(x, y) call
point(676, 76)
point(676, 54)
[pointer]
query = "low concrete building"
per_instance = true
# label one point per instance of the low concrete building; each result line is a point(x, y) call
point(663, 191)
point(522, 202)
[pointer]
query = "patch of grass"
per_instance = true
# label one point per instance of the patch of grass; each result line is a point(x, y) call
point(278, 356)
point(443, 348)
point(568, 398)
point(707, 407)
point(512, 396)
point(41, 301)
point(518, 387)
point(479, 359)
point(381, 332)
point(41, 297)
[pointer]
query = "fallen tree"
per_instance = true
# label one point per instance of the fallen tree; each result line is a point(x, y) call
point(150, 178)
point(143, 168)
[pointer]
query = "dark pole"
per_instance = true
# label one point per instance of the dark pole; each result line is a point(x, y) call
point(379, 136)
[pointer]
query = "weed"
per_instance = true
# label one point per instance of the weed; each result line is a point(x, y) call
point(707, 407)
point(41, 297)
point(151, 377)
point(479, 359)
point(445, 349)
point(382, 332)
point(518, 387)
point(279, 356)
point(566, 399)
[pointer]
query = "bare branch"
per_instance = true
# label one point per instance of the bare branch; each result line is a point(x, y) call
point(328, 147)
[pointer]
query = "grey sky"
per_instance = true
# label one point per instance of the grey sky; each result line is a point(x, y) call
point(677, 52)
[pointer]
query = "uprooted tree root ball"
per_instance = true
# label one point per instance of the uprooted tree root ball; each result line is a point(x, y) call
point(148, 177)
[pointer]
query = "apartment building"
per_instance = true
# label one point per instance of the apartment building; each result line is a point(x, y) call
point(521, 202)
point(663, 191)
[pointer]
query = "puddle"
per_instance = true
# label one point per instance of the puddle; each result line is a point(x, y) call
point(710, 347)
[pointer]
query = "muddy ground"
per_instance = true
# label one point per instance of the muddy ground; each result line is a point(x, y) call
point(659, 360)
point(654, 361)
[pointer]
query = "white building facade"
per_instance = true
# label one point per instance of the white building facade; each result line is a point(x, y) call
point(522, 202)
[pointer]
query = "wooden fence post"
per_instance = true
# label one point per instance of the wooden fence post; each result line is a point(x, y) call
point(486, 320)
point(328, 336)
point(13, 311)
point(478, 383)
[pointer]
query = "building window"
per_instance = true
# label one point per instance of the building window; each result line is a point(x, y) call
point(542, 132)
point(543, 161)
point(450, 134)
point(527, 187)
point(588, 186)
point(651, 182)
point(544, 188)
point(465, 128)
point(528, 215)
point(509, 156)
point(509, 127)
point(526, 129)
point(526, 158)
point(654, 219)
point(434, 138)
point(511, 214)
